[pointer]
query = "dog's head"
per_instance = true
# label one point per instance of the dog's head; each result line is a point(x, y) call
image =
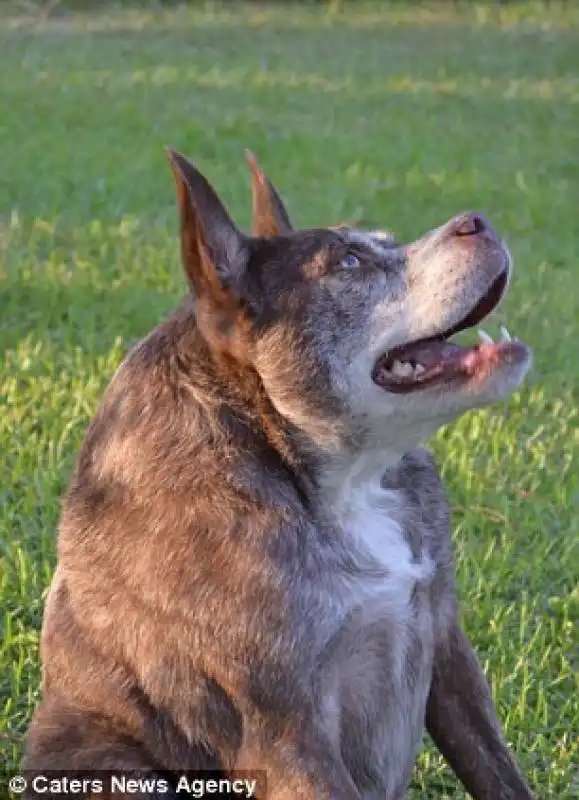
point(348, 330)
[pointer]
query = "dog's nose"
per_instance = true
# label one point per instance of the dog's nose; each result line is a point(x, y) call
point(470, 224)
point(473, 223)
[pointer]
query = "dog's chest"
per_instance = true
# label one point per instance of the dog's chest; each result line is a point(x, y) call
point(378, 661)
point(392, 558)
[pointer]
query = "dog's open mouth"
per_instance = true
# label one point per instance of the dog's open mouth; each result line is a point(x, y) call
point(436, 360)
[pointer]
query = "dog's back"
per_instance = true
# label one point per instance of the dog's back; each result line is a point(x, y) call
point(152, 484)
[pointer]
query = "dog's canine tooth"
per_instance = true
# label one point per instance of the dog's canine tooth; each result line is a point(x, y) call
point(485, 337)
point(505, 335)
point(419, 369)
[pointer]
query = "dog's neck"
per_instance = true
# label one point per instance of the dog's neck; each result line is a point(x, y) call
point(373, 451)
point(331, 457)
point(342, 475)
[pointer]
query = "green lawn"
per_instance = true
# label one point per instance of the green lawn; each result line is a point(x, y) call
point(399, 118)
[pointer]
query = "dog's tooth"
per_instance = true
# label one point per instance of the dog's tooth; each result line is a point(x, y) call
point(505, 335)
point(401, 368)
point(485, 337)
point(419, 369)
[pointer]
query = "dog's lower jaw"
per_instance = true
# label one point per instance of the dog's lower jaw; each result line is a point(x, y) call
point(444, 363)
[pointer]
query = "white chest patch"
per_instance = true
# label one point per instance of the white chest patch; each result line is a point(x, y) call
point(370, 519)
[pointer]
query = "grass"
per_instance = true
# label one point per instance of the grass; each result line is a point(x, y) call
point(397, 116)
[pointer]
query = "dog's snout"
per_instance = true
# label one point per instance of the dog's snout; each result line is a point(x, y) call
point(470, 224)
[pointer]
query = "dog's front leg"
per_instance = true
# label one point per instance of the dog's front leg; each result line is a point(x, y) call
point(461, 719)
point(298, 765)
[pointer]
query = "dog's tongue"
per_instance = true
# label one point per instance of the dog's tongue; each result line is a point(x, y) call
point(429, 354)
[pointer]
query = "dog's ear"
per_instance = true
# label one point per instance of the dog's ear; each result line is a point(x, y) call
point(270, 217)
point(213, 249)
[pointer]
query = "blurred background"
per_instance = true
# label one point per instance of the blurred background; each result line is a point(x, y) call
point(397, 115)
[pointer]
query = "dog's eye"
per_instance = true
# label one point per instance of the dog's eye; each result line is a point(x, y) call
point(349, 261)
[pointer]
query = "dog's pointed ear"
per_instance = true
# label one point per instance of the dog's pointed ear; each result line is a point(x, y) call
point(270, 217)
point(212, 247)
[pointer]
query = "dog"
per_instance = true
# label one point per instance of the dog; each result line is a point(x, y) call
point(255, 568)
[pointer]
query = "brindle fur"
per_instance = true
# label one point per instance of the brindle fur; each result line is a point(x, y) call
point(210, 607)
